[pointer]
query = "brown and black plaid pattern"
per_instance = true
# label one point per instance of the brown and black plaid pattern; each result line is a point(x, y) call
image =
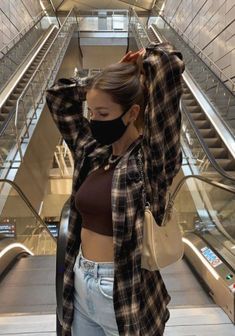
point(140, 296)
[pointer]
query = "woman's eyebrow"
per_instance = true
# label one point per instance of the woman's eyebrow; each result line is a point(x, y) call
point(99, 108)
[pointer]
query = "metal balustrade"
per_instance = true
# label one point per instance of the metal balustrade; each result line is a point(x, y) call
point(32, 99)
point(12, 55)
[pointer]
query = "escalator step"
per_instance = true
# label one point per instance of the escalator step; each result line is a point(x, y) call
point(187, 95)
point(5, 110)
point(219, 153)
point(194, 109)
point(202, 123)
point(198, 116)
point(226, 164)
point(190, 102)
point(208, 132)
point(213, 142)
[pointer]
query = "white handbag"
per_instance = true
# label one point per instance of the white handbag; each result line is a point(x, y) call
point(162, 245)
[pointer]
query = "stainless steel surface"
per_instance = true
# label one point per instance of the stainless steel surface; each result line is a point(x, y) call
point(220, 288)
point(210, 143)
point(30, 101)
point(215, 120)
point(6, 92)
point(29, 287)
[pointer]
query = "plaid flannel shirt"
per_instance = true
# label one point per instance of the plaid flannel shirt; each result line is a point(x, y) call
point(139, 296)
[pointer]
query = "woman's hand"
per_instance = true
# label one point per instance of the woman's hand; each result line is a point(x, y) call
point(133, 56)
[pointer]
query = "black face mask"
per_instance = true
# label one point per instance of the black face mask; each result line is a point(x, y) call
point(109, 131)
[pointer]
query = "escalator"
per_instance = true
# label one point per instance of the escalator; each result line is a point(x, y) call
point(27, 263)
point(22, 100)
point(8, 103)
point(210, 128)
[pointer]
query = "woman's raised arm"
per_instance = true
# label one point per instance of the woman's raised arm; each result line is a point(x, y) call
point(65, 102)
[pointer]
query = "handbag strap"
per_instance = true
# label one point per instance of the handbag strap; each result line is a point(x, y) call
point(170, 202)
point(140, 165)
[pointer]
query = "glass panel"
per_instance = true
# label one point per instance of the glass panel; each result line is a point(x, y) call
point(220, 96)
point(32, 96)
point(10, 59)
point(18, 222)
point(206, 209)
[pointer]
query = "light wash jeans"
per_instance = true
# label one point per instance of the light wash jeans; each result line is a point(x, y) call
point(93, 298)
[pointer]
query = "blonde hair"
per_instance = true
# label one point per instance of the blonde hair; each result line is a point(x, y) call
point(122, 82)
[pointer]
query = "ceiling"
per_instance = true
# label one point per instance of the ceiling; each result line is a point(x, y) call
point(84, 5)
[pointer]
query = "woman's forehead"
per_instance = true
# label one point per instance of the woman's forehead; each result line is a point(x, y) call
point(98, 98)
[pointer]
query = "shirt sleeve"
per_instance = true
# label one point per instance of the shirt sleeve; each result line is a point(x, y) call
point(163, 68)
point(65, 102)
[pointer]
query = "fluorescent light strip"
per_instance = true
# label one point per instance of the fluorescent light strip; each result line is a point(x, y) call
point(200, 256)
point(12, 246)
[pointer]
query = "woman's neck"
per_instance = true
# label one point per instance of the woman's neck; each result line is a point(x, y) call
point(120, 146)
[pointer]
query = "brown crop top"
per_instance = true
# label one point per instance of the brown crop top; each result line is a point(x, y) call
point(93, 201)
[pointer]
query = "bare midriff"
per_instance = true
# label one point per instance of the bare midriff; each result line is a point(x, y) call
point(96, 247)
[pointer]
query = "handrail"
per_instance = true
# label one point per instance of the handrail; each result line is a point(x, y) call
point(133, 12)
point(228, 79)
point(25, 199)
point(222, 186)
point(37, 69)
point(11, 114)
point(60, 257)
point(22, 31)
point(210, 157)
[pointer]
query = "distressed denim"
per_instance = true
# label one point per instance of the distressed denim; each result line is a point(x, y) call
point(93, 298)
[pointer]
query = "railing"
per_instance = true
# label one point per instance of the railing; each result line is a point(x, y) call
point(217, 94)
point(138, 29)
point(209, 203)
point(201, 159)
point(20, 222)
point(64, 161)
point(28, 103)
point(198, 152)
point(22, 33)
point(219, 72)
point(15, 55)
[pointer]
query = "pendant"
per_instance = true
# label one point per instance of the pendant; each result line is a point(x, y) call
point(107, 167)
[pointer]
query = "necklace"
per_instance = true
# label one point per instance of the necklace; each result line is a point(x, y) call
point(111, 161)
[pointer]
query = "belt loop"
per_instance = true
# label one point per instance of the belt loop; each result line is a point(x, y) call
point(96, 271)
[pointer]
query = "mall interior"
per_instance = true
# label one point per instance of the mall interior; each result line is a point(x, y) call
point(44, 40)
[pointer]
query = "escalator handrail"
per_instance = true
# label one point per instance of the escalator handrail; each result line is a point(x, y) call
point(60, 257)
point(210, 157)
point(28, 203)
point(37, 68)
point(24, 31)
point(216, 184)
point(15, 112)
point(132, 12)
point(228, 79)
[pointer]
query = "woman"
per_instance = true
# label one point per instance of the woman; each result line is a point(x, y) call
point(105, 290)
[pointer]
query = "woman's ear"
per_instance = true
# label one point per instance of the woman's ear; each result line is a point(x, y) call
point(134, 112)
